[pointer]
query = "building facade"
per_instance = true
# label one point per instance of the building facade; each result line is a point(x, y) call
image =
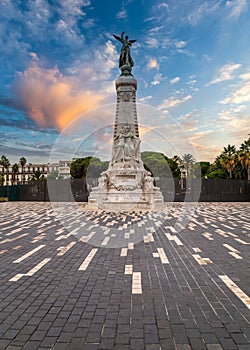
point(30, 171)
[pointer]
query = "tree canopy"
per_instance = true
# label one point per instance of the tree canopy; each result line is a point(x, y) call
point(159, 165)
point(87, 167)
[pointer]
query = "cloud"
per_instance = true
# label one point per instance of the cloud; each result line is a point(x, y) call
point(174, 101)
point(237, 7)
point(153, 64)
point(245, 76)
point(200, 135)
point(234, 122)
point(152, 42)
point(163, 5)
point(226, 72)
point(201, 10)
point(95, 66)
point(42, 25)
point(175, 80)
point(144, 99)
point(205, 151)
point(52, 99)
point(157, 79)
point(242, 94)
point(122, 14)
point(89, 23)
point(180, 44)
point(155, 29)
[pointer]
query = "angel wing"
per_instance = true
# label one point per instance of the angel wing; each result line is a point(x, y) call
point(130, 42)
point(118, 38)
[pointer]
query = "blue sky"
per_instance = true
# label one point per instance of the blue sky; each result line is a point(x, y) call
point(59, 60)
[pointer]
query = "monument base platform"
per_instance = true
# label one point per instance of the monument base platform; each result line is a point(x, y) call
point(125, 201)
point(125, 186)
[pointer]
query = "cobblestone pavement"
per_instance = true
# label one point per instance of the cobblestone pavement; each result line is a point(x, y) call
point(172, 290)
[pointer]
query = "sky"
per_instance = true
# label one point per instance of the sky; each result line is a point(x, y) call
point(59, 62)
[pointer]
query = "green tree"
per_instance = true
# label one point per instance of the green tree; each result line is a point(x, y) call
point(217, 174)
point(4, 161)
point(96, 167)
point(22, 162)
point(188, 161)
point(79, 168)
point(1, 178)
point(228, 159)
point(15, 170)
point(37, 176)
point(157, 164)
point(201, 169)
point(174, 166)
point(216, 170)
point(244, 156)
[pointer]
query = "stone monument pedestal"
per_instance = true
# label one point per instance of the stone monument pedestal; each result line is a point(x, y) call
point(125, 186)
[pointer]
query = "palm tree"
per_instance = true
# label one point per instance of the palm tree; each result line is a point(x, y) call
point(37, 176)
point(1, 178)
point(228, 159)
point(15, 170)
point(244, 156)
point(37, 179)
point(188, 160)
point(22, 162)
point(4, 161)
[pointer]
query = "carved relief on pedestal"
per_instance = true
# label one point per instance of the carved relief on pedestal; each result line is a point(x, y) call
point(127, 96)
point(126, 146)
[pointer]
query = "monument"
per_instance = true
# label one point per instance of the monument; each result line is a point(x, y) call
point(126, 184)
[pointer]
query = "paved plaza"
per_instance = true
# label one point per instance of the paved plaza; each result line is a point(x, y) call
point(126, 280)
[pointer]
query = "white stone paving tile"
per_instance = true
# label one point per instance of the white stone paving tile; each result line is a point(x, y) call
point(128, 269)
point(14, 231)
point(25, 256)
point(229, 247)
point(235, 255)
point(87, 238)
point(30, 272)
point(162, 256)
point(63, 237)
point(173, 238)
point(197, 250)
point(241, 241)
point(221, 233)
point(202, 261)
point(7, 240)
point(63, 250)
point(236, 290)
point(208, 236)
point(131, 245)
point(136, 283)
point(105, 241)
point(148, 239)
point(88, 259)
point(124, 252)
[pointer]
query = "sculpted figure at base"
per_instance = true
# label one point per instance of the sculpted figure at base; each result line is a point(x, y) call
point(147, 182)
point(103, 181)
point(126, 146)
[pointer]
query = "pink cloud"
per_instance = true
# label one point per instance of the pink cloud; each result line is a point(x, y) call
point(52, 99)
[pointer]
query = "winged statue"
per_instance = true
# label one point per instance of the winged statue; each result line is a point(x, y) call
point(125, 57)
